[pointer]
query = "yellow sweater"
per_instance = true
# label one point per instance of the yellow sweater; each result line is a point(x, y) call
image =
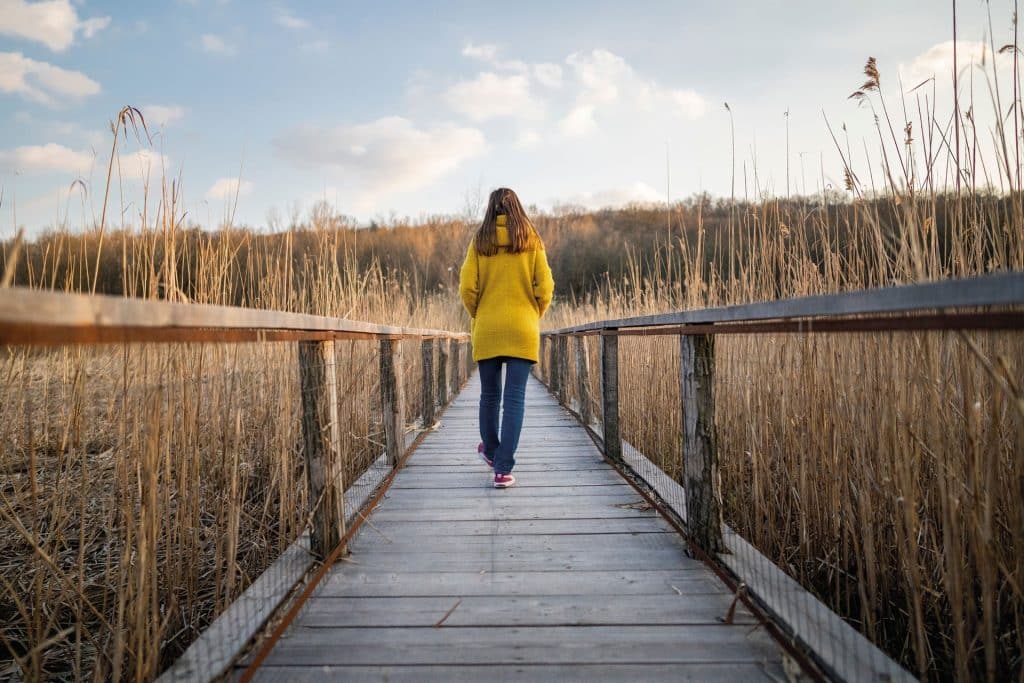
point(506, 295)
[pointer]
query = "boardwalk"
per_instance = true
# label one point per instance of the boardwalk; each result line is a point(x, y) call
point(566, 577)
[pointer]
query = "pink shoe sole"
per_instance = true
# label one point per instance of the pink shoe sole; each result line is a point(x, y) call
point(483, 456)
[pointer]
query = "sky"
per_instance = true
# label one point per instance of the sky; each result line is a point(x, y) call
point(412, 109)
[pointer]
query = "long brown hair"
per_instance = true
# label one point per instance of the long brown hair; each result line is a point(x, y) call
point(521, 233)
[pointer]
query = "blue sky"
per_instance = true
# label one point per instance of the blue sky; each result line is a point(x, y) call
point(415, 108)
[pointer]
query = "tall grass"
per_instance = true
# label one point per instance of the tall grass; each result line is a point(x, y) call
point(143, 487)
point(885, 472)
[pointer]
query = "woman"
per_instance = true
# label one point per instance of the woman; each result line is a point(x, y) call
point(506, 286)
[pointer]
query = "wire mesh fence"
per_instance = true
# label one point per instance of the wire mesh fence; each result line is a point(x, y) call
point(877, 476)
point(157, 500)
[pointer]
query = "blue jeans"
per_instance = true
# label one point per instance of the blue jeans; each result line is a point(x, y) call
point(501, 447)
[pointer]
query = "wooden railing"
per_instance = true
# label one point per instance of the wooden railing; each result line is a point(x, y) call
point(989, 303)
point(50, 320)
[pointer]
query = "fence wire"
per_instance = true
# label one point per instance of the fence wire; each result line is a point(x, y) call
point(874, 476)
point(154, 498)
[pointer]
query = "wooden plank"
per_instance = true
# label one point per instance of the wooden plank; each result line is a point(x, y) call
point(582, 378)
point(557, 610)
point(552, 511)
point(1000, 289)
point(690, 579)
point(570, 566)
point(400, 530)
point(321, 444)
point(524, 492)
point(378, 541)
point(540, 645)
point(447, 480)
point(23, 307)
point(442, 370)
point(427, 384)
point(699, 448)
point(745, 672)
point(610, 395)
point(392, 399)
point(516, 560)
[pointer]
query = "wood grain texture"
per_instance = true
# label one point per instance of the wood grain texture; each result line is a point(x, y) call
point(571, 568)
point(24, 309)
point(1000, 289)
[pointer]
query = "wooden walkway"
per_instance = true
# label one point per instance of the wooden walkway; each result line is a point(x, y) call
point(567, 576)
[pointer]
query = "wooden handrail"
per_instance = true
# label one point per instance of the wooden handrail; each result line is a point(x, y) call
point(30, 316)
point(1000, 289)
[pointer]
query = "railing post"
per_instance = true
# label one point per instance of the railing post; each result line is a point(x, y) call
point(442, 370)
point(610, 393)
point(392, 399)
point(540, 369)
point(700, 441)
point(563, 370)
point(554, 377)
point(469, 359)
point(321, 444)
point(582, 377)
point(427, 354)
point(456, 345)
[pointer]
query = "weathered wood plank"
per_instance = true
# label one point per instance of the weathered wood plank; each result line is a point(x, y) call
point(321, 444)
point(21, 306)
point(399, 530)
point(448, 480)
point(524, 490)
point(556, 610)
point(378, 540)
point(392, 399)
point(541, 645)
point(689, 579)
point(699, 447)
point(998, 289)
point(570, 566)
point(517, 560)
point(626, 508)
point(610, 395)
point(742, 672)
point(427, 384)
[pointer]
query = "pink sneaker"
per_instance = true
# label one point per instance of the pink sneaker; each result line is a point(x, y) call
point(483, 456)
point(504, 481)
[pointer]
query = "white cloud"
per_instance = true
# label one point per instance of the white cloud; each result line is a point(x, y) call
point(488, 53)
point(42, 82)
point(47, 158)
point(606, 81)
point(490, 96)
point(548, 75)
point(225, 189)
point(528, 138)
point(579, 122)
point(216, 45)
point(139, 165)
point(938, 61)
point(54, 23)
point(383, 156)
point(600, 73)
point(634, 193)
point(162, 114)
point(290, 21)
